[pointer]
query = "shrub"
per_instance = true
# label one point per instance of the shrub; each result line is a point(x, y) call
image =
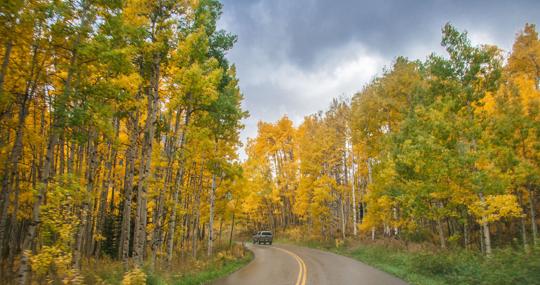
point(134, 277)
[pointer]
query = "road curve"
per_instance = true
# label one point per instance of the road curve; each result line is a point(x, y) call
point(294, 265)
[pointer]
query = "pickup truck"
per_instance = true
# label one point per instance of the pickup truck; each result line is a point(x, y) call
point(262, 237)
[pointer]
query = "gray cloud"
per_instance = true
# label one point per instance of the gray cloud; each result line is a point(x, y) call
point(294, 56)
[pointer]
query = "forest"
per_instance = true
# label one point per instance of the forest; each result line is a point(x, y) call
point(119, 122)
point(120, 137)
point(445, 151)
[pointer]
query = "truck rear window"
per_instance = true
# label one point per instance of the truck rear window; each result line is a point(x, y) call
point(266, 233)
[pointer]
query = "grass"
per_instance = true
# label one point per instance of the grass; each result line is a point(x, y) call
point(182, 272)
point(212, 272)
point(425, 266)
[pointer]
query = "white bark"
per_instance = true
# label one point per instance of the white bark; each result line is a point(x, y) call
point(177, 186)
point(532, 206)
point(353, 196)
point(211, 222)
point(485, 228)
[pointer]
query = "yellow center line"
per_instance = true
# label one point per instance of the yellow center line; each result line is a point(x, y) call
point(302, 272)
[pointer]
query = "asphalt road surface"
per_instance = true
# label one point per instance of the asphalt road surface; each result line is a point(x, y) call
point(294, 265)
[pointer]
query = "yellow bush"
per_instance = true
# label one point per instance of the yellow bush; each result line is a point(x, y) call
point(134, 277)
point(339, 243)
point(50, 258)
point(73, 277)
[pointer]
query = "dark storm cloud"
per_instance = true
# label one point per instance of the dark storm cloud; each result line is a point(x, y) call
point(294, 56)
point(302, 28)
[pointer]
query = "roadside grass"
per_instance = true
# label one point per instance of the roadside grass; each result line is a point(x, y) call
point(429, 266)
point(182, 272)
point(211, 272)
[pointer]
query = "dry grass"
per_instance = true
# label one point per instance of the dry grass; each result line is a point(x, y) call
point(186, 270)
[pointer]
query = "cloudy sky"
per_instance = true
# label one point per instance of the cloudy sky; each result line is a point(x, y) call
point(294, 56)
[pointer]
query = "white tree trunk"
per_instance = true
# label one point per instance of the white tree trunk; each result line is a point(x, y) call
point(485, 228)
point(177, 186)
point(532, 206)
point(211, 222)
point(353, 197)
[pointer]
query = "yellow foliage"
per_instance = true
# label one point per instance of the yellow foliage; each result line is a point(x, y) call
point(488, 103)
point(225, 256)
point(528, 93)
point(135, 12)
point(134, 277)
point(495, 208)
point(55, 263)
point(129, 82)
point(339, 243)
point(380, 212)
point(47, 257)
point(99, 237)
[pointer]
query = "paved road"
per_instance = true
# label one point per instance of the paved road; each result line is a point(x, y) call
point(294, 265)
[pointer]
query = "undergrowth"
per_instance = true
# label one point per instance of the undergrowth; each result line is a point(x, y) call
point(186, 271)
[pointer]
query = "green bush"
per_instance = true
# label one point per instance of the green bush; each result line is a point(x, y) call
point(505, 266)
point(432, 264)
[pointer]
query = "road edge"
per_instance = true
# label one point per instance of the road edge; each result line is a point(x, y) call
point(239, 268)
